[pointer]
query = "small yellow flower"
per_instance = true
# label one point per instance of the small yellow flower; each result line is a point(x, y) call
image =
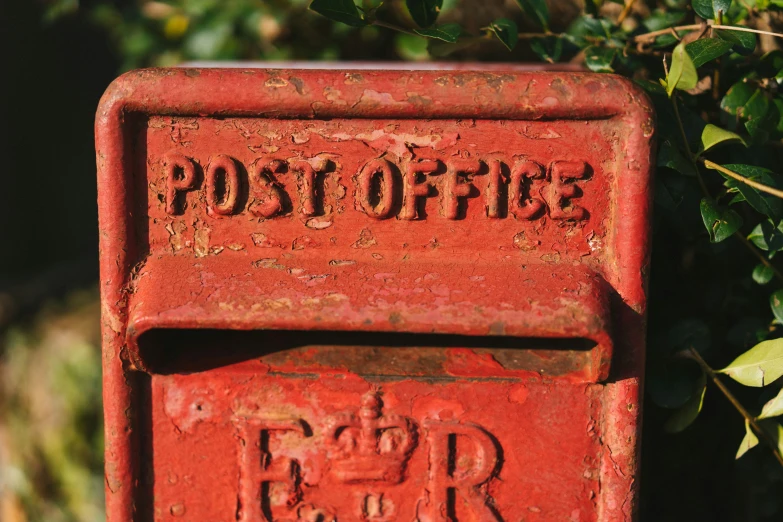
point(176, 26)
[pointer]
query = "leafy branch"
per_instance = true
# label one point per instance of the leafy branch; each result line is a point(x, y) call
point(718, 101)
point(771, 440)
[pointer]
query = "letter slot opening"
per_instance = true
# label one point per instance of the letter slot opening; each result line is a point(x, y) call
point(369, 354)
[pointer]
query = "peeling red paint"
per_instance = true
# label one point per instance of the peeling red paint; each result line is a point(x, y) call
point(502, 218)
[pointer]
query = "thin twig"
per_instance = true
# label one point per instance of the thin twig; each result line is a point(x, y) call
point(626, 11)
point(730, 173)
point(530, 36)
point(692, 27)
point(654, 34)
point(745, 30)
point(750, 419)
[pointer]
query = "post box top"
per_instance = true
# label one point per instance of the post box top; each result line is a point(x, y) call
point(298, 93)
point(151, 282)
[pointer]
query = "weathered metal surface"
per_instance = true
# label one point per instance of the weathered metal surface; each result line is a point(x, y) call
point(366, 295)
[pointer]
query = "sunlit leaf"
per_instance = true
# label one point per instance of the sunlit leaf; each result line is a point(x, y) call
point(682, 74)
point(713, 135)
point(759, 366)
point(687, 413)
point(749, 441)
point(704, 50)
point(773, 408)
point(538, 10)
point(446, 32)
point(344, 11)
point(506, 31)
point(721, 223)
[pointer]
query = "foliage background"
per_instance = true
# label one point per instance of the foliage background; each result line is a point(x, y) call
point(60, 56)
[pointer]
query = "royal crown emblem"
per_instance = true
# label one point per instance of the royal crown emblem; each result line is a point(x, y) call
point(370, 446)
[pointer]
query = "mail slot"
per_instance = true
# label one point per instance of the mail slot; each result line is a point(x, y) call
point(372, 295)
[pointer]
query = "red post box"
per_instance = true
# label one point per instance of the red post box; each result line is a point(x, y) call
point(372, 296)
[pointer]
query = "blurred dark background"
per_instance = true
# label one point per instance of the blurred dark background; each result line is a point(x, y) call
point(60, 56)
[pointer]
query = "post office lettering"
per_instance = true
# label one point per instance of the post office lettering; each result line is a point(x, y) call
point(408, 190)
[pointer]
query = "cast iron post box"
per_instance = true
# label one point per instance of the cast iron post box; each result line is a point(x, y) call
point(372, 295)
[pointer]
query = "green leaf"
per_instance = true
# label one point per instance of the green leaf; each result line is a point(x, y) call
point(599, 59)
point(773, 408)
point(424, 12)
point(762, 274)
point(709, 9)
point(756, 107)
point(538, 10)
point(668, 195)
point(344, 11)
point(767, 236)
point(650, 87)
point(411, 47)
point(688, 412)
point(774, 431)
point(776, 113)
point(759, 366)
point(682, 73)
point(771, 64)
point(713, 135)
point(742, 41)
point(776, 304)
point(506, 31)
point(664, 41)
point(549, 48)
point(663, 18)
point(736, 98)
point(669, 156)
point(767, 204)
point(706, 49)
point(587, 27)
point(446, 32)
point(672, 383)
point(749, 441)
point(690, 333)
point(721, 223)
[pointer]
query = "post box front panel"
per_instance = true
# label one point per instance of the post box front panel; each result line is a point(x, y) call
point(378, 296)
point(246, 445)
